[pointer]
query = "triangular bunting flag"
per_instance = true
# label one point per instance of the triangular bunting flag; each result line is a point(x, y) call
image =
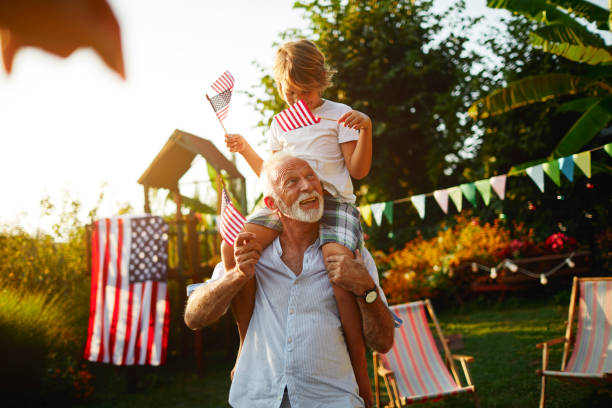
point(499, 185)
point(608, 148)
point(469, 191)
point(583, 161)
point(441, 197)
point(377, 212)
point(366, 214)
point(552, 170)
point(388, 211)
point(455, 194)
point(566, 164)
point(484, 187)
point(537, 175)
point(419, 203)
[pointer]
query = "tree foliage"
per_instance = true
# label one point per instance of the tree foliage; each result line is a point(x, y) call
point(398, 62)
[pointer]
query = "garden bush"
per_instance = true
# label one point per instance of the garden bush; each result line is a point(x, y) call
point(42, 343)
point(435, 267)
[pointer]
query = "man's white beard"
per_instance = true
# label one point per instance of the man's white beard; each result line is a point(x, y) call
point(297, 213)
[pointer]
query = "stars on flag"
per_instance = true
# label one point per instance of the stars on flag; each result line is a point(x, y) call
point(220, 102)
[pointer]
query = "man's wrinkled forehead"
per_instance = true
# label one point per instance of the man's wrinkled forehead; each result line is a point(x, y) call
point(287, 168)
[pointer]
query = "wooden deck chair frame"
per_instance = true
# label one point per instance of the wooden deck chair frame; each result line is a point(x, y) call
point(397, 400)
point(568, 345)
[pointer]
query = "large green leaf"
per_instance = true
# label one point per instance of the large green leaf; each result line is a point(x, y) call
point(537, 10)
point(579, 105)
point(529, 90)
point(585, 128)
point(587, 10)
point(566, 42)
point(562, 33)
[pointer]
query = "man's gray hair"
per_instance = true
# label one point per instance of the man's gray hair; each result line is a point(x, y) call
point(266, 171)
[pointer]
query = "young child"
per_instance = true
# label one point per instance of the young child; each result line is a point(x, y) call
point(336, 150)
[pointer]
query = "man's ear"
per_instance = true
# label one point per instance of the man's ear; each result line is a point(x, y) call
point(269, 202)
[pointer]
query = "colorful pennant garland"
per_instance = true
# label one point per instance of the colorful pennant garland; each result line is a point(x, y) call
point(553, 169)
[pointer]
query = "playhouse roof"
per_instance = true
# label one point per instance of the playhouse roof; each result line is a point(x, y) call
point(174, 159)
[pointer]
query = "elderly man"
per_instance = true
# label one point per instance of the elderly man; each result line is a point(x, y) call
point(294, 353)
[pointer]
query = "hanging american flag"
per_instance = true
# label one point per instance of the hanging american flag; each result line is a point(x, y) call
point(230, 220)
point(129, 307)
point(296, 116)
point(223, 86)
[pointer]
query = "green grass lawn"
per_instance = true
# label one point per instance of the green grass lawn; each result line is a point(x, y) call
point(501, 337)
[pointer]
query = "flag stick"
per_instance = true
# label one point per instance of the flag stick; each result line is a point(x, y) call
point(211, 105)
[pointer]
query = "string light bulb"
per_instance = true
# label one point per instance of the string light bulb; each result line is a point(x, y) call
point(474, 267)
point(493, 273)
point(512, 266)
point(570, 263)
point(543, 279)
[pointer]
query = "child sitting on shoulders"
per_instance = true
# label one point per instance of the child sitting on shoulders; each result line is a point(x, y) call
point(337, 150)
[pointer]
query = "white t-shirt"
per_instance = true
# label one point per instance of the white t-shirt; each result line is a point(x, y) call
point(319, 145)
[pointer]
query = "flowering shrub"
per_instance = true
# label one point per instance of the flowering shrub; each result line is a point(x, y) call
point(560, 242)
point(424, 268)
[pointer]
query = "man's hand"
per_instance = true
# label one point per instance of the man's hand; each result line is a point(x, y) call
point(246, 253)
point(235, 143)
point(349, 273)
point(356, 120)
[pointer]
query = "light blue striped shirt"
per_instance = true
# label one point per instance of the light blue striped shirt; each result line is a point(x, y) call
point(295, 338)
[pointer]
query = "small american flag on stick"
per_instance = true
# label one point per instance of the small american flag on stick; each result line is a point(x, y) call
point(230, 219)
point(296, 116)
point(223, 86)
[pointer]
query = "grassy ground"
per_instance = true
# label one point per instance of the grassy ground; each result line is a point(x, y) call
point(501, 337)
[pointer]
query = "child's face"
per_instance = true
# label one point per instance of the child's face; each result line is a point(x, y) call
point(292, 95)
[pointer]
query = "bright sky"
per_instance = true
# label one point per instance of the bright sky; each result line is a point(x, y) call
point(72, 124)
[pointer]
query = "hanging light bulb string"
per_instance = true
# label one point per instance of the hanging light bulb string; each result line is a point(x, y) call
point(513, 267)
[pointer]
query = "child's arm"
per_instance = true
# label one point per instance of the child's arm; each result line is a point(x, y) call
point(237, 143)
point(358, 154)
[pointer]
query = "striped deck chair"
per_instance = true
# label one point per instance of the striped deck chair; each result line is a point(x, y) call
point(413, 370)
point(591, 358)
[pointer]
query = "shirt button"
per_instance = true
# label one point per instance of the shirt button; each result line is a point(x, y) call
point(291, 311)
point(289, 340)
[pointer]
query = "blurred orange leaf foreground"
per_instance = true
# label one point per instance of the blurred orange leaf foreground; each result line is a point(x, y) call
point(60, 27)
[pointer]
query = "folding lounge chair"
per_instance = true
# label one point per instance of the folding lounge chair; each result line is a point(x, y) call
point(591, 358)
point(413, 370)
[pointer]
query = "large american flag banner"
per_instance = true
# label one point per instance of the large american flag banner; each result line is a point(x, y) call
point(230, 220)
point(223, 86)
point(296, 116)
point(129, 308)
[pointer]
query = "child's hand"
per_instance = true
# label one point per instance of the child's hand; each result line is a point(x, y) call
point(356, 120)
point(235, 143)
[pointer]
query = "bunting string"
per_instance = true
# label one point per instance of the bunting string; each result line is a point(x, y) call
point(552, 169)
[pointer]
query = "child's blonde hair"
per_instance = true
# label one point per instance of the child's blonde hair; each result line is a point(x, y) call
point(301, 65)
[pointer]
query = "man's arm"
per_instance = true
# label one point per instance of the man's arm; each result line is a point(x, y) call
point(210, 301)
point(352, 275)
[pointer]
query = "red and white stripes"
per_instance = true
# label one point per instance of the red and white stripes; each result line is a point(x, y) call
point(223, 83)
point(419, 369)
point(128, 323)
point(296, 116)
point(231, 220)
point(593, 348)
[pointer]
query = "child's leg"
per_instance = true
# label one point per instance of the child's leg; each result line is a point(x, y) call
point(245, 299)
point(350, 318)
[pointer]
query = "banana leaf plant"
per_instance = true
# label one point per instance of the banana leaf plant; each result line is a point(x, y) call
point(562, 33)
